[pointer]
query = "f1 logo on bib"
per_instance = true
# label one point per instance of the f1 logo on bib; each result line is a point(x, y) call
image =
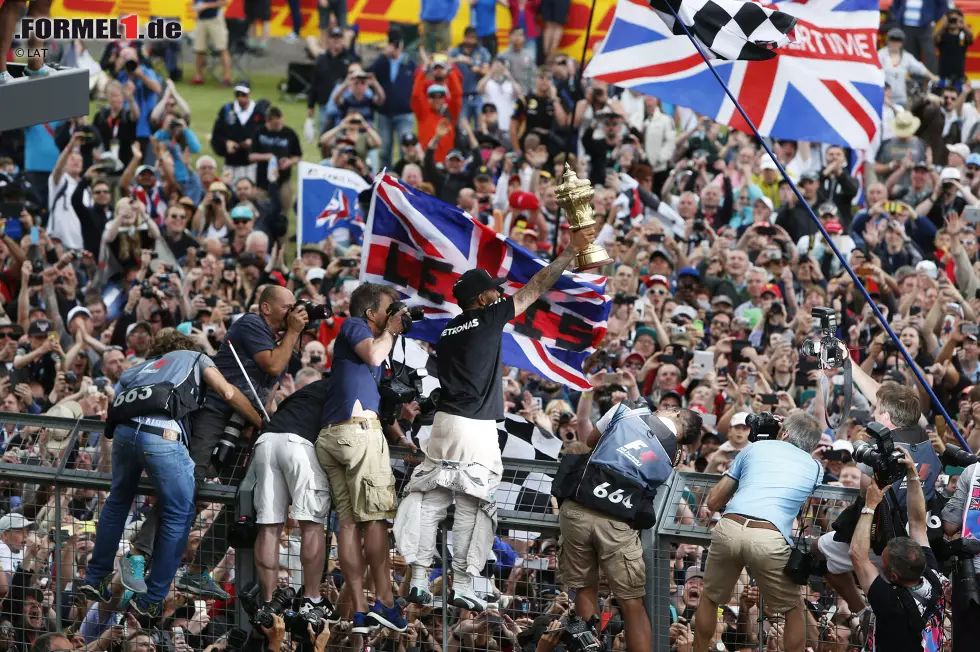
point(629, 451)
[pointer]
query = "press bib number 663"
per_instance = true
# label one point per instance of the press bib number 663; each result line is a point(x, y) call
point(615, 497)
point(137, 394)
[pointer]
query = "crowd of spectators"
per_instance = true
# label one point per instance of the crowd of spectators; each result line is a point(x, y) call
point(116, 227)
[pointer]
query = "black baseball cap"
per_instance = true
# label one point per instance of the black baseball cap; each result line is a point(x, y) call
point(409, 139)
point(474, 282)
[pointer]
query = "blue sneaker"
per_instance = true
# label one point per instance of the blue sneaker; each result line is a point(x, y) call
point(201, 584)
point(143, 607)
point(99, 592)
point(390, 617)
point(132, 570)
point(44, 71)
point(127, 597)
point(360, 625)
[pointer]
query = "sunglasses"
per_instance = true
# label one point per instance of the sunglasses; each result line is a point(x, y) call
point(746, 367)
point(660, 291)
point(10, 335)
point(243, 221)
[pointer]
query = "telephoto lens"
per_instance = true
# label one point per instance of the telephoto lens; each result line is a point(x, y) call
point(224, 450)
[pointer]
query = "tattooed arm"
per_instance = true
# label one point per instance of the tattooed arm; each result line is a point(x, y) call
point(547, 277)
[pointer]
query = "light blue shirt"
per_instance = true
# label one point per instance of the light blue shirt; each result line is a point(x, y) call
point(393, 65)
point(774, 480)
point(40, 151)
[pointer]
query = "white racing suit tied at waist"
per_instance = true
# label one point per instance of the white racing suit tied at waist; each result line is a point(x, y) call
point(462, 458)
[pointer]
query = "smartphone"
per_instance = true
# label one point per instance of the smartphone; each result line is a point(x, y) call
point(750, 381)
point(536, 402)
point(915, 310)
point(698, 327)
point(35, 235)
point(737, 347)
point(613, 379)
point(178, 637)
point(969, 329)
point(769, 399)
point(971, 214)
point(709, 420)
point(703, 363)
point(537, 564)
point(655, 237)
point(349, 262)
point(864, 270)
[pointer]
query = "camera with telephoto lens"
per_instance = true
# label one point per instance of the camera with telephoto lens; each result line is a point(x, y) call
point(281, 604)
point(965, 551)
point(828, 348)
point(397, 389)
point(581, 635)
point(315, 312)
point(882, 456)
point(763, 426)
point(224, 450)
point(415, 313)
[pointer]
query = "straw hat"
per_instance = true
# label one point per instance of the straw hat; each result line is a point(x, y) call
point(905, 124)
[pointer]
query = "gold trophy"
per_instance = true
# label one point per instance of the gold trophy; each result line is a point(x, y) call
point(575, 198)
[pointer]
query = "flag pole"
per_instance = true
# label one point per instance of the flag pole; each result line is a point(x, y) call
point(573, 141)
point(857, 281)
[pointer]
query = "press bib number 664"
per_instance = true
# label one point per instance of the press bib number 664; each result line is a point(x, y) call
point(139, 393)
point(615, 497)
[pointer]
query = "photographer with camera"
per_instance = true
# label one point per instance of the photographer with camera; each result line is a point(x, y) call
point(288, 476)
point(462, 451)
point(907, 595)
point(217, 429)
point(761, 495)
point(961, 519)
point(151, 423)
point(606, 497)
point(353, 450)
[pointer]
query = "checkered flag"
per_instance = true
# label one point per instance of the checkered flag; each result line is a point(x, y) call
point(730, 29)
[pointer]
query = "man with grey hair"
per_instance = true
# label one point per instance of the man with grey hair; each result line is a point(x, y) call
point(755, 281)
point(760, 495)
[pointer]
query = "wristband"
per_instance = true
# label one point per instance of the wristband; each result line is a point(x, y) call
point(868, 510)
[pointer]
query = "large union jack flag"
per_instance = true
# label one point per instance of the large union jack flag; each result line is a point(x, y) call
point(420, 245)
point(827, 86)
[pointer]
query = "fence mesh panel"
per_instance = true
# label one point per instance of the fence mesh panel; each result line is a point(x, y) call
point(57, 476)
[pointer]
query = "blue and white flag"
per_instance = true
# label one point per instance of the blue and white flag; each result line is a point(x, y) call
point(328, 203)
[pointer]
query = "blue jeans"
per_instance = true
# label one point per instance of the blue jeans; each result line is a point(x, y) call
point(391, 128)
point(470, 115)
point(171, 470)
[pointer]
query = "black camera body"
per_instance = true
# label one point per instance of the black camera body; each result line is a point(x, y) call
point(404, 387)
point(414, 314)
point(146, 290)
point(881, 456)
point(282, 603)
point(623, 299)
point(827, 348)
point(315, 312)
point(764, 426)
point(581, 635)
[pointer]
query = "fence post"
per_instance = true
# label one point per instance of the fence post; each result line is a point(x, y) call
point(244, 556)
point(656, 558)
point(57, 551)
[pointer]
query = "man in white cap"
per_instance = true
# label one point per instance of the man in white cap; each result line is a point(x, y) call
point(13, 536)
point(235, 130)
point(950, 197)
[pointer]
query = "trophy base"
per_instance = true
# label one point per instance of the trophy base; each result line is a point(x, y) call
point(594, 256)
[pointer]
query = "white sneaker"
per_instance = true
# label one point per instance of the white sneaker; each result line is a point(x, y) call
point(464, 597)
point(5, 77)
point(291, 38)
point(418, 592)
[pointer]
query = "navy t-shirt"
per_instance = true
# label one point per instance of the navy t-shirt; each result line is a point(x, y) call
point(351, 378)
point(207, 13)
point(250, 335)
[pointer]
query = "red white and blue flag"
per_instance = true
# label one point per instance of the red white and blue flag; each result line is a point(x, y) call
point(420, 246)
point(826, 86)
point(327, 202)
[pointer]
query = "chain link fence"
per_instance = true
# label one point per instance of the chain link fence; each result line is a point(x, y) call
point(55, 474)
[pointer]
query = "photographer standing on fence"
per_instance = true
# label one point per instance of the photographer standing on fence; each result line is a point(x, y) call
point(761, 494)
point(907, 596)
point(353, 451)
point(148, 426)
point(288, 476)
point(462, 455)
point(217, 430)
point(606, 496)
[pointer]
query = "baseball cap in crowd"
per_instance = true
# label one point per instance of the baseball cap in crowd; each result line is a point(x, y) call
point(146, 168)
point(489, 107)
point(14, 522)
point(766, 201)
point(660, 251)
point(634, 357)
point(39, 328)
point(959, 148)
point(394, 35)
point(949, 174)
point(843, 445)
point(693, 573)
point(922, 164)
point(242, 213)
point(827, 208)
point(243, 88)
point(834, 227)
point(482, 174)
point(440, 60)
point(768, 163)
point(219, 186)
point(530, 231)
point(739, 419)
point(809, 176)
point(409, 139)
point(657, 279)
point(973, 159)
point(684, 311)
point(722, 298)
point(455, 153)
point(474, 282)
point(524, 201)
point(689, 271)
point(142, 325)
point(773, 289)
point(315, 273)
point(78, 310)
point(896, 34)
point(928, 268)
point(336, 31)
point(436, 89)
point(895, 376)
point(645, 330)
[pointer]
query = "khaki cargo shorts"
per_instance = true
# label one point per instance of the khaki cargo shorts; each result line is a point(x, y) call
point(590, 541)
point(354, 455)
point(213, 32)
point(764, 552)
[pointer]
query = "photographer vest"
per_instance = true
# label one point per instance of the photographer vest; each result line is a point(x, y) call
point(166, 387)
point(621, 476)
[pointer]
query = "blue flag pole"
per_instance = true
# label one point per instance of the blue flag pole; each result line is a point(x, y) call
point(857, 281)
